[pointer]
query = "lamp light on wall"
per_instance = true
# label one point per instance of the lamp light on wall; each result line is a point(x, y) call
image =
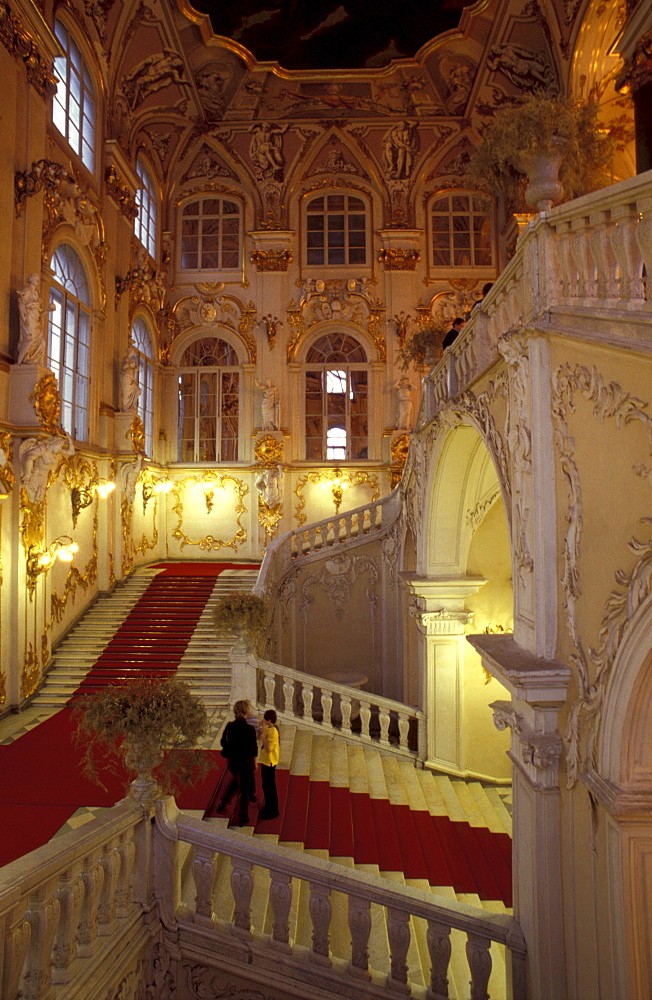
point(39, 561)
point(104, 487)
point(338, 483)
point(207, 487)
point(151, 487)
point(82, 496)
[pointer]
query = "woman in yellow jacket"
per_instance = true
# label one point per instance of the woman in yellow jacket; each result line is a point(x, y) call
point(268, 759)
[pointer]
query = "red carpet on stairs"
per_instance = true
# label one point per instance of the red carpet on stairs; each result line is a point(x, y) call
point(41, 781)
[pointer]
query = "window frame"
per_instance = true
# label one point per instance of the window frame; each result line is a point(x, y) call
point(147, 201)
point(218, 416)
point(141, 334)
point(230, 274)
point(345, 268)
point(73, 374)
point(348, 368)
point(87, 90)
point(477, 270)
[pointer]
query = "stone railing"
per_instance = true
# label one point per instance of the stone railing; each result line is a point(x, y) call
point(592, 254)
point(68, 908)
point(280, 914)
point(326, 706)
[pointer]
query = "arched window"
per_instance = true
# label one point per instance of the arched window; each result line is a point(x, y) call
point(142, 340)
point(146, 200)
point(336, 399)
point(69, 335)
point(336, 230)
point(73, 105)
point(211, 234)
point(209, 403)
point(461, 230)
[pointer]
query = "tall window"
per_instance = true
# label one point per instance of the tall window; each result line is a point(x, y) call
point(73, 105)
point(209, 386)
point(69, 330)
point(142, 340)
point(336, 226)
point(461, 231)
point(336, 399)
point(146, 200)
point(211, 234)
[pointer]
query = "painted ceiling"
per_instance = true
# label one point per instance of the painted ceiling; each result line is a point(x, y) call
point(331, 34)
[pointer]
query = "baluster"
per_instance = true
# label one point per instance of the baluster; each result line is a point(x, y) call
point(326, 706)
point(479, 959)
point(64, 956)
point(319, 540)
point(308, 695)
point(346, 706)
point(580, 253)
point(629, 257)
point(242, 886)
point(566, 273)
point(383, 718)
point(365, 716)
point(366, 521)
point(92, 876)
point(604, 257)
point(320, 913)
point(43, 916)
point(348, 527)
point(330, 533)
point(203, 873)
point(293, 546)
point(313, 539)
point(438, 937)
point(398, 932)
point(644, 240)
point(360, 927)
point(270, 685)
point(127, 851)
point(305, 542)
point(403, 729)
point(110, 863)
point(288, 696)
point(280, 897)
point(355, 525)
point(17, 933)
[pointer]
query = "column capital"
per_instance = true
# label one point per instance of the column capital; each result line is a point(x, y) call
point(441, 593)
point(442, 622)
point(536, 750)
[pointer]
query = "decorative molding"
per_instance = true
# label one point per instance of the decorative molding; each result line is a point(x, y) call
point(476, 514)
point(399, 260)
point(269, 450)
point(345, 478)
point(271, 260)
point(442, 622)
point(120, 193)
point(336, 578)
point(209, 543)
point(31, 673)
point(20, 44)
point(536, 753)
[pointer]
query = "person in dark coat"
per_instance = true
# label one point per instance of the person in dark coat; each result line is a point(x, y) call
point(240, 747)
point(456, 328)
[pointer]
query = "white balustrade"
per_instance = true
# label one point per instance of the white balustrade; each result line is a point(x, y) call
point(68, 906)
point(350, 712)
point(288, 874)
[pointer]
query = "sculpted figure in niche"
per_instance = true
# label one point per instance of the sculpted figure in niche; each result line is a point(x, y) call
point(269, 485)
point(129, 388)
point(526, 70)
point(265, 150)
point(31, 343)
point(152, 74)
point(269, 405)
point(37, 458)
point(405, 404)
point(459, 80)
point(399, 147)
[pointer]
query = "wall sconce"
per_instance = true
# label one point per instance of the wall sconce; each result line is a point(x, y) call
point(338, 483)
point(82, 496)
point(39, 561)
point(208, 489)
point(150, 488)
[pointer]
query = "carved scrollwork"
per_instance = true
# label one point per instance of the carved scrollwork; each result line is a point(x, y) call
point(19, 43)
point(337, 577)
point(399, 259)
point(209, 543)
point(271, 260)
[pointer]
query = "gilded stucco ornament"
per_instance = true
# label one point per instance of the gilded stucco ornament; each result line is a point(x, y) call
point(118, 190)
point(339, 481)
point(146, 285)
point(209, 543)
point(80, 476)
point(271, 260)
point(399, 451)
point(21, 45)
point(137, 435)
point(399, 259)
point(270, 501)
point(268, 450)
point(31, 673)
point(346, 299)
point(76, 578)
point(46, 400)
point(7, 474)
point(213, 307)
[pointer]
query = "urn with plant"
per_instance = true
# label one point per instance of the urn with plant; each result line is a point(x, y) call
point(243, 616)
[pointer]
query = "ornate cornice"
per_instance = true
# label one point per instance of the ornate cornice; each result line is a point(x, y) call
point(536, 753)
point(20, 44)
point(271, 260)
point(120, 193)
point(399, 260)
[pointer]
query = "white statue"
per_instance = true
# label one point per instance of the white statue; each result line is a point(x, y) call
point(37, 458)
point(269, 485)
point(266, 151)
point(31, 343)
point(128, 478)
point(269, 405)
point(129, 388)
point(404, 392)
point(399, 148)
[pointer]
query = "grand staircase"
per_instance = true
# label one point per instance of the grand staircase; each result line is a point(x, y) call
point(153, 624)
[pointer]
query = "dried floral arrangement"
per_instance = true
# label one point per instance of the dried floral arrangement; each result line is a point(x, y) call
point(519, 132)
point(148, 724)
point(242, 614)
point(423, 345)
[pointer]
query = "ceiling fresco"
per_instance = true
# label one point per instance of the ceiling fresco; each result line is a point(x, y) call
point(331, 34)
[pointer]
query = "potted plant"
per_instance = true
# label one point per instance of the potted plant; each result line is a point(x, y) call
point(558, 145)
point(423, 347)
point(152, 726)
point(243, 615)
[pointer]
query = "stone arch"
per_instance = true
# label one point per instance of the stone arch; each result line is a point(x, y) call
point(213, 330)
point(334, 326)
